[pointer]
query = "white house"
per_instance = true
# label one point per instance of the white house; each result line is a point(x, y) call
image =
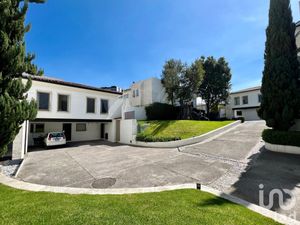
point(244, 103)
point(141, 94)
point(84, 113)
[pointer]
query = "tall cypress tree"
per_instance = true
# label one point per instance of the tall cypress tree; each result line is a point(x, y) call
point(14, 108)
point(280, 85)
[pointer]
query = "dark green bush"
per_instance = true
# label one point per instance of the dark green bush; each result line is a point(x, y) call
point(160, 111)
point(148, 138)
point(241, 118)
point(291, 138)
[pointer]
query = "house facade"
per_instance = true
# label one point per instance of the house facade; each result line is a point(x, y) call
point(84, 113)
point(140, 95)
point(244, 103)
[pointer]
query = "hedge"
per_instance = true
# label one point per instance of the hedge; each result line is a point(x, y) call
point(148, 138)
point(160, 111)
point(291, 138)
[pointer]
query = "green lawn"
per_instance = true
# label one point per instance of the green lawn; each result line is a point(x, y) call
point(172, 207)
point(180, 128)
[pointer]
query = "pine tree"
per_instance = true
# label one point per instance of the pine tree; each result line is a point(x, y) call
point(14, 108)
point(280, 87)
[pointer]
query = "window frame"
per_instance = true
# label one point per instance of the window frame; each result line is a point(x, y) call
point(35, 128)
point(79, 130)
point(101, 112)
point(239, 112)
point(31, 129)
point(237, 102)
point(87, 98)
point(259, 98)
point(49, 100)
point(68, 103)
point(245, 97)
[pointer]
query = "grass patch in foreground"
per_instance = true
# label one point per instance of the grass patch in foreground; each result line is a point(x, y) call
point(171, 207)
point(182, 129)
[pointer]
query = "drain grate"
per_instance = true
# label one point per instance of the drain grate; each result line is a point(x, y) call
point(104, 183)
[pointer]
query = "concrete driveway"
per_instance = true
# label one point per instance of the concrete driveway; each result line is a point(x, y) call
point(106, 165)
point(234, 162)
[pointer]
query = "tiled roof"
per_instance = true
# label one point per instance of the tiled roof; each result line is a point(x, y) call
point(70, 84)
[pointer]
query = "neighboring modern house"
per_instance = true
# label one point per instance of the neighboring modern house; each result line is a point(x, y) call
point(140, 95)
point(244, 103)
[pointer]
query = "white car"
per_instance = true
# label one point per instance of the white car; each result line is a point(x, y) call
point(55, 139)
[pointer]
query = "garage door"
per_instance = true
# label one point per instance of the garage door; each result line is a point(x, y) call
point(250, 114)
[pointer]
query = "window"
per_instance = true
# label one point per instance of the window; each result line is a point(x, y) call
point(90, 105)
point(31, 128)
point(237, 101)
point(63, 101)
point(137, 93)
point(81, 127)
point(39, 128)
point(104, 106)
point(239, 113)
point(259, 98)
point(133, 93)
point(43, 100)
point(245, 100)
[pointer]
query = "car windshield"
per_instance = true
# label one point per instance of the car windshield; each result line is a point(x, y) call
point(55, 135)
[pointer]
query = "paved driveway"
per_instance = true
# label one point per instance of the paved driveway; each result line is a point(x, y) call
point(103, 165)
point(234, 162)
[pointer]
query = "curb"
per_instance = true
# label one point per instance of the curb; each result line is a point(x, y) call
point(255, 208)
point(17, 184)
point(19, 168)
point(283, 148)
point(189, 141)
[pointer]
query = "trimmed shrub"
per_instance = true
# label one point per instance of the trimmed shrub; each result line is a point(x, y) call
point(148, 138)
point(160, 111)
point(276, 137)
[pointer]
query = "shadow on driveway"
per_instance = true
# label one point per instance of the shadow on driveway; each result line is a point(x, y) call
point(75, 144)
point(273, 171)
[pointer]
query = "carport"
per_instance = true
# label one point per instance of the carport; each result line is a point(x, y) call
point(76, 130)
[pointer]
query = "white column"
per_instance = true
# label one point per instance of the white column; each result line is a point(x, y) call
point(20, 144)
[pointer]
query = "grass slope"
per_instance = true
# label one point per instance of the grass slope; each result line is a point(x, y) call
point(171, 207)
point(180, 128)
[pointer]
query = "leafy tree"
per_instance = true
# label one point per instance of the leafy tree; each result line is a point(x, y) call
point(190, 81)
point(280, 87)
point(216, 83)
point(172, 71)
point(14, 108)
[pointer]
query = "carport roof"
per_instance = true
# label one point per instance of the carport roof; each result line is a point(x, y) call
point(70, 120)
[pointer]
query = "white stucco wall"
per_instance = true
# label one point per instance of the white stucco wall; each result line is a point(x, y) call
point(150, 91)
point(128, 131)
point(252, 99)
point(249, 111)
point(20, 147)
point(77, 101)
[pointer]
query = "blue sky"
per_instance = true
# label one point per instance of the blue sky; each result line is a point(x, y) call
point(116, 42)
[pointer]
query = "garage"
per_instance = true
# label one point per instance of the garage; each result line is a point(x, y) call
point(249, 114)
point(75, 130)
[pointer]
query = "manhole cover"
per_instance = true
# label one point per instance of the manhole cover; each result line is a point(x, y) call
point(104, 183)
